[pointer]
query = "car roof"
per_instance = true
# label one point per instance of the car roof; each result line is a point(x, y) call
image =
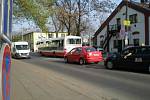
point(87, 46)
point(136, 47)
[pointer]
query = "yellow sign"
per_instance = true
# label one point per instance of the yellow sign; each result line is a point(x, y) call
point(126, 23)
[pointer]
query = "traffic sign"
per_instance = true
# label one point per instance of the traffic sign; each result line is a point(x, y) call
point(5, 64)
point(126, 22)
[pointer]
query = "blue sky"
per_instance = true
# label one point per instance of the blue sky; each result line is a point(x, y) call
point(117, 1)
point(18, 27)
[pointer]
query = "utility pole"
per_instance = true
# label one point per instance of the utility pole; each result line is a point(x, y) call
point(126, 26)
point(89, 22)
point(21, 32)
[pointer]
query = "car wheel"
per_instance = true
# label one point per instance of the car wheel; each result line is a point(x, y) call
point(149, 69)
point(81, 61)
point(109, 65)
point(66, 60)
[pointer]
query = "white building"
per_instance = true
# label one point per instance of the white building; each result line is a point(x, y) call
point(112, 33)
point(33, 37)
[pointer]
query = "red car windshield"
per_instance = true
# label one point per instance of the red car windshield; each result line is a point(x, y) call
point(90, 49)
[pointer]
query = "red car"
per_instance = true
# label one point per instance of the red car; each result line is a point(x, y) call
point(84, 55)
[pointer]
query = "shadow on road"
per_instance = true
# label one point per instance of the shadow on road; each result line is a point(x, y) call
point(95, 66)
point(92, 66)
point(140, 71)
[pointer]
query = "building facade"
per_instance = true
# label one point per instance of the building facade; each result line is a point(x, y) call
point(129, 24)
point(33, 37)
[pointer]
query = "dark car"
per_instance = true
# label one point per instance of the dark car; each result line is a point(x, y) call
point(136, 57)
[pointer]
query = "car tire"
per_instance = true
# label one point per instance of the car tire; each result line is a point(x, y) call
point(110, 65)
point(81, 61)
point(149, 69)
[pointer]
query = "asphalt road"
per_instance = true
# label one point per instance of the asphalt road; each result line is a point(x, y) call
point(44, 78)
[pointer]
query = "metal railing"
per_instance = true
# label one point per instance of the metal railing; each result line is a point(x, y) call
point(5, 38)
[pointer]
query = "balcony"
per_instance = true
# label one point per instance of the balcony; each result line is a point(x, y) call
point(113, 29)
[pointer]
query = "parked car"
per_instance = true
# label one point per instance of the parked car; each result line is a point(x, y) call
point(20, 49)
point(133, 57)
point(84, 54)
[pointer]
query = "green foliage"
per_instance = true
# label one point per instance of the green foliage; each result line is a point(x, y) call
point(36, 10)
point(16, 38)
point(69, 13)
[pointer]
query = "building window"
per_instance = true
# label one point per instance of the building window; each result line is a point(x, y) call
point(136, 42)
point(118, 24)
point(134, 33)
point(50, 35)
point(101, 43)
point(133, 18)
point(118, 21)
point(62, 35)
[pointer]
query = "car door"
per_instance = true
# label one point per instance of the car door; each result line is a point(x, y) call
point(70, 55)
point(145, 56)
point(128, 58)
point(76, 55)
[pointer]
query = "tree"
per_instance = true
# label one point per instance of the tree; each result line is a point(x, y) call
point(68, 13)
point(35, 10)
point(64, 14)
point(73, 13)
point(55, 22)
point(16, 37)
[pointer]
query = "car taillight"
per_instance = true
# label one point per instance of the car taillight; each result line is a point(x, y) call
point(89, 54)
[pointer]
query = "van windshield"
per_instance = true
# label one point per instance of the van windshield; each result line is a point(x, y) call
point(22, 47)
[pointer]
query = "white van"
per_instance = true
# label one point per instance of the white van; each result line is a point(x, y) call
point(20, 49)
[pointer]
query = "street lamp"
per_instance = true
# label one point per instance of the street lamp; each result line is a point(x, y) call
point(21, 32)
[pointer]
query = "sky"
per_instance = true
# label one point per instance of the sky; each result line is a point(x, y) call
point(19, 28)
point(117, 1)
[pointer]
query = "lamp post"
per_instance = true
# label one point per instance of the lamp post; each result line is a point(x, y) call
point(126, 25)
point(21, 32)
